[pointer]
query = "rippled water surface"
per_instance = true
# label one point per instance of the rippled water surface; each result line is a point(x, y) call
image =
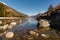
point(30, 24)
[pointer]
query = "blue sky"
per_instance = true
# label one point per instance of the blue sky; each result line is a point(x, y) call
point(30, 7)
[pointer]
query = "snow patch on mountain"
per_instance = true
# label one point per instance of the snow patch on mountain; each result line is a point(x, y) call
point(42, 11)
point(3, 3)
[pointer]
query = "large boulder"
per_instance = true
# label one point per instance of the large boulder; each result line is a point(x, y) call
point(44, 23)
point(52, 18)
point(57, 18)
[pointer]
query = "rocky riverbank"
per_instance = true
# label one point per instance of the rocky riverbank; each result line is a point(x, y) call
point(52, 16)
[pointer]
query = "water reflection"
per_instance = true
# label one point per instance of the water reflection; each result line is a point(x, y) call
point(30, 24)
point(22, 29)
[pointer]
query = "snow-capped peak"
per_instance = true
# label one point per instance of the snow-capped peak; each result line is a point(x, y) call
point(42, 11)
point(3, 3)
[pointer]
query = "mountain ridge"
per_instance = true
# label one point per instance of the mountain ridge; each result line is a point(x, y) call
point(6, 11)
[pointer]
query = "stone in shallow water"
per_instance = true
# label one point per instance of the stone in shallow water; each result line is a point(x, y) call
point(34, 33)
point(9, 35)
point(45, 35)
point(44, 23)
point(30, 38)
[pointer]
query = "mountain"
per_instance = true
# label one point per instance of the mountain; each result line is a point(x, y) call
point(10, 16)
point(51, 11)
point(35, 16)
point(52, 15)
point(6, 11)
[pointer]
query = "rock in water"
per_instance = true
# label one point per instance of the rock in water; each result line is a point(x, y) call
point(9, 35)
point(44, 23)
point(34, 33)
point(45, 35)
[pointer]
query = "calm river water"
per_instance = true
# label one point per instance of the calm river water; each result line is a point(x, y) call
point(22, 30)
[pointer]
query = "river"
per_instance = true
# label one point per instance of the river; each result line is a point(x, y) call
point(22, 30)
point(29, 24)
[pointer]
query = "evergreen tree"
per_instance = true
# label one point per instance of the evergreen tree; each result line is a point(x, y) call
point(50, 9)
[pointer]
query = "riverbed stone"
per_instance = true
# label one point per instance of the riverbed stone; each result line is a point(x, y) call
point(45, 35)
point(34, 33)
point(44, 23)
point(9, 35)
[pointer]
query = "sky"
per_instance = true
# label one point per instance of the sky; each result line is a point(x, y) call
point(31, 7)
